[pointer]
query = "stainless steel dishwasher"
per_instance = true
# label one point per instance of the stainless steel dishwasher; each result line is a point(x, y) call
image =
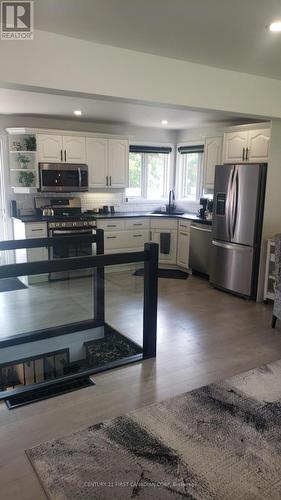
point(200, 248)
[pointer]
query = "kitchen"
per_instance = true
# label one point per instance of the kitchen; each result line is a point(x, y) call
point(139, 207)
point(65, 164)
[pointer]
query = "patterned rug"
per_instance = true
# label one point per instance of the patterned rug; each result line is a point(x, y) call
point(222, 441)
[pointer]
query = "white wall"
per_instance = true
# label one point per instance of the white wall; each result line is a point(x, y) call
point(272, 212)
point(62, 63)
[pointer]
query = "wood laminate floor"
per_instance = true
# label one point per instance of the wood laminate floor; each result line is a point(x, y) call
point(203, 335)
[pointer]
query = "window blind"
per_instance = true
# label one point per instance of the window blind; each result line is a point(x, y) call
point(149, 149)
point(191, 149)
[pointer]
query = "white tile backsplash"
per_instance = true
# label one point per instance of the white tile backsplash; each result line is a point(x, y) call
point(98, 199)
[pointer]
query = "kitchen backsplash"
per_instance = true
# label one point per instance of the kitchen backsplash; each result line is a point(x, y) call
point(97, 200)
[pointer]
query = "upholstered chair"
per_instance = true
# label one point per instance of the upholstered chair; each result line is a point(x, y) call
point(277, 300)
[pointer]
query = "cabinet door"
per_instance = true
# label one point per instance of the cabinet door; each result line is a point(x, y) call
point(74, 149)
point(97, 161)
point(118, 163)
point(183, 249)
point(171, 257)
point(258, 145)
point(235, 144)
point(212, 157)
point(116, 240)
point(50, 148)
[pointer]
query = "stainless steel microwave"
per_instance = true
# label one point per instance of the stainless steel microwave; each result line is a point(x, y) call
point(63, 177)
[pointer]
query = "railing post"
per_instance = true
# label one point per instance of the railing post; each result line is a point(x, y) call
point(150, 300)
point(98, 288)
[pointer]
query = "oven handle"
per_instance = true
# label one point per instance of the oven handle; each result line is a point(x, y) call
point(70, 231)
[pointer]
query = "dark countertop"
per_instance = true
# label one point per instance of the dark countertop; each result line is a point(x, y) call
point(117, 215)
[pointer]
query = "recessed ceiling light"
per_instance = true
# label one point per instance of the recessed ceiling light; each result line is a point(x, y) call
point(164, 122)
point(276, 26)
point(77, 112)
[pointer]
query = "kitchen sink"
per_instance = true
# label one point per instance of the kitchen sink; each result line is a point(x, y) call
point(170, 214)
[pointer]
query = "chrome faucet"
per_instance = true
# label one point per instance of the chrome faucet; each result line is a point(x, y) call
point(171, 201)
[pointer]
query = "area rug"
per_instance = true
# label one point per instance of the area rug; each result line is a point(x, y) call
point(221, 441)
point(11, 284)
point(174, 274)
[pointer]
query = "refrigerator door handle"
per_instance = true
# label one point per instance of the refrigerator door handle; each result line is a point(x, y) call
point(234, 204)
point(229, 246)
point(229, 202)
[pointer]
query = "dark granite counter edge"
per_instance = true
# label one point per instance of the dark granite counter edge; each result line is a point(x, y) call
point(118, 215)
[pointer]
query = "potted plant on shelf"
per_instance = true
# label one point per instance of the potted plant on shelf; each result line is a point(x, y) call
point(30, 143)
point(23, 160)
point(27, 179)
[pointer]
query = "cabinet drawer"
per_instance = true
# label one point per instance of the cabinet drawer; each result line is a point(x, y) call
point(184, 225)
point(111, 224)
point(116, 240)
point(137, 223)
point(159, 223)
point(36, 230)
point(137, 239)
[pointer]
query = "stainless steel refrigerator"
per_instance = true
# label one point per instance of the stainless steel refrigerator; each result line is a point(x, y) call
point(237, 227)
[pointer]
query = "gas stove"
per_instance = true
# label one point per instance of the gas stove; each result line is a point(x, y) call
point(67, 213)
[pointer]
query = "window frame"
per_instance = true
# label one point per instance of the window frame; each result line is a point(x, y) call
point(180, 174)
point(168, 174)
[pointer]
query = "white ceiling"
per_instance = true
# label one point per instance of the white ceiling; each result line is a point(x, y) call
point(228, 34)
point(19, 102)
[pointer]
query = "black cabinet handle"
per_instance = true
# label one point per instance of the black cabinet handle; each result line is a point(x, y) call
point(137, 235)
point(61, 158)
point(243, 155)
point(110, 180)
point(111, 237)
point(65, 155)
point(107, 180)
point(247, 153)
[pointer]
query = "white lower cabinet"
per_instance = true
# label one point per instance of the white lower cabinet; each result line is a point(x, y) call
point(125, 235)
point(183, 243)
point(171, 256)
point(183, 249)
point(125, 240)
point(27, 231)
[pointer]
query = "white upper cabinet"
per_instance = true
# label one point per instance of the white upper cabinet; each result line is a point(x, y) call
point(118, 160)
point(58, 148)
point(246, 146)
point(74, 149)
point(50, 148)
point(108, 162)
point(212, 157)
point(97, 161)
point(235, 144)
point(258, 145)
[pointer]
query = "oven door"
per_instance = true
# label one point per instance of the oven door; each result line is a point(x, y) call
point(55, 177)
point(63, 251)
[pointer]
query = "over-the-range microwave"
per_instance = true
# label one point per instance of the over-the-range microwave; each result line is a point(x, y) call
point(63, 177)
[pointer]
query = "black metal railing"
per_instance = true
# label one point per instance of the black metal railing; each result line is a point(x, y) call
point(149, 256)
